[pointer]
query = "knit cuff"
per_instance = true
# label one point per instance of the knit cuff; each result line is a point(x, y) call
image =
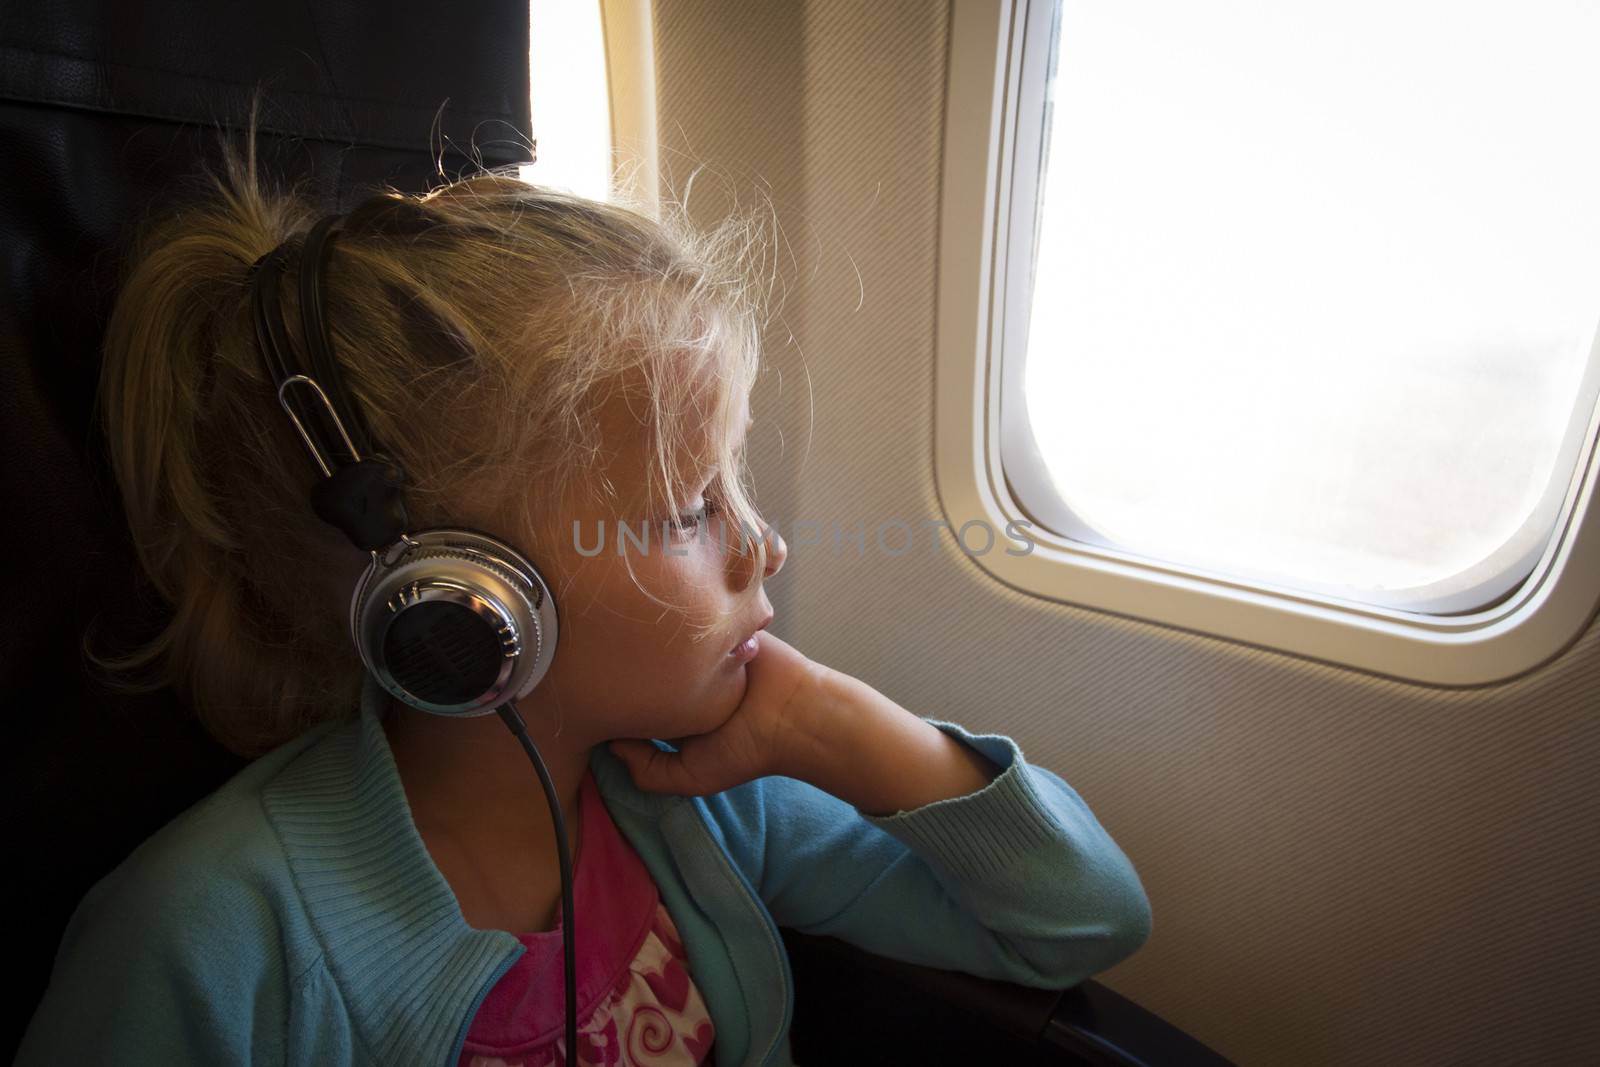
point(984, 831)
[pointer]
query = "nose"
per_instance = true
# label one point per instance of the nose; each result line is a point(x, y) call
point(777, 552)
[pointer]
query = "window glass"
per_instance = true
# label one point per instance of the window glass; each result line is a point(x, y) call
point(1316, 285)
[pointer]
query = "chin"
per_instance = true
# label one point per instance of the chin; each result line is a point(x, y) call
point(714, 707)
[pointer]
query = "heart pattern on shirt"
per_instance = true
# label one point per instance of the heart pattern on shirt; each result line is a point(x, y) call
point(670, 985)
point(701, 1041)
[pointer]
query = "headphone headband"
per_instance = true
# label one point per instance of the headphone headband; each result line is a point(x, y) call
point(351, 438)
point(316, 331)
point(360, 492)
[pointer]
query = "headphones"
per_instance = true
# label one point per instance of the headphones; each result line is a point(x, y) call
point(450, 621)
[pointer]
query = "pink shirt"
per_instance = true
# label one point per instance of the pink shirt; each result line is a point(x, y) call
point(637, 1004)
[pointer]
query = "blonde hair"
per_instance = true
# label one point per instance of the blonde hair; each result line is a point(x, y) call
point(478, 328)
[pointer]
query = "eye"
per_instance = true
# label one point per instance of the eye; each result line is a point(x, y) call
point(692, 519)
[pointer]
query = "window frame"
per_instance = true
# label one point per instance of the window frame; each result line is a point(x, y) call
point(987, 467)
point(627, 29)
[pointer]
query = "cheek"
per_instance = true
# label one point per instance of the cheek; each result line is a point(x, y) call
point(623, 639)
point(621, 650)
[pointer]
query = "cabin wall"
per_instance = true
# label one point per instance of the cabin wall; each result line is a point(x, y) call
point(1342, 868)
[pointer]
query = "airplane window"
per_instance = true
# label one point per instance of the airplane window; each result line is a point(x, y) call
point(571, 102)
point(1314, 288)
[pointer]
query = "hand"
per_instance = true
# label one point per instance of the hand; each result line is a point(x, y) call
point(782, 687)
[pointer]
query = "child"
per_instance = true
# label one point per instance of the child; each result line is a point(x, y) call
point(380, 886)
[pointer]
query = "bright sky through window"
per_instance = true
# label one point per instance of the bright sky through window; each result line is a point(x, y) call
point(571, 105)
point(1316, 283)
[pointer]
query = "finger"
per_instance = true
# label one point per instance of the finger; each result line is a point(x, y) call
point(630, 753)
point(653, 770)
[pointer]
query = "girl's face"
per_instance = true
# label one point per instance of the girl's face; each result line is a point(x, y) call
point(626, 666)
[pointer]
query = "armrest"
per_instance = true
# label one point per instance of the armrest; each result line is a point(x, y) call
point(852, 1006)
point(1105, 1028)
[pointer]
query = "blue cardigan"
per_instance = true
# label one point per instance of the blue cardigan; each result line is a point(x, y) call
point(294, 916)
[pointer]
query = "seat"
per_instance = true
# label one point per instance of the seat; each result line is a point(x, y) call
point(104, 109)
point(852, 1007)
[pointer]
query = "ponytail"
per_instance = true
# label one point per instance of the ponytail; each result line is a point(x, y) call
point(209, 480)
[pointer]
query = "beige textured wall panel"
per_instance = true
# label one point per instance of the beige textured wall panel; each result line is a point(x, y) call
point(1342, 869)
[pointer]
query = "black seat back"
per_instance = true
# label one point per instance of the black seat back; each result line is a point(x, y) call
point(104, 108)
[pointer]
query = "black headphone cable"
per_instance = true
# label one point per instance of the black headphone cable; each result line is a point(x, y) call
point(508, 713)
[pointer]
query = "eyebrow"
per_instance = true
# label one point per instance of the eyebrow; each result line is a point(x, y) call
point(707, 473)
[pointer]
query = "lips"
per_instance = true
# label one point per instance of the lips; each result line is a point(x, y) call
point(742, 641)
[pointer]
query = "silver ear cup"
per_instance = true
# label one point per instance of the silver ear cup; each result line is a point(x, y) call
point(456, 623)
